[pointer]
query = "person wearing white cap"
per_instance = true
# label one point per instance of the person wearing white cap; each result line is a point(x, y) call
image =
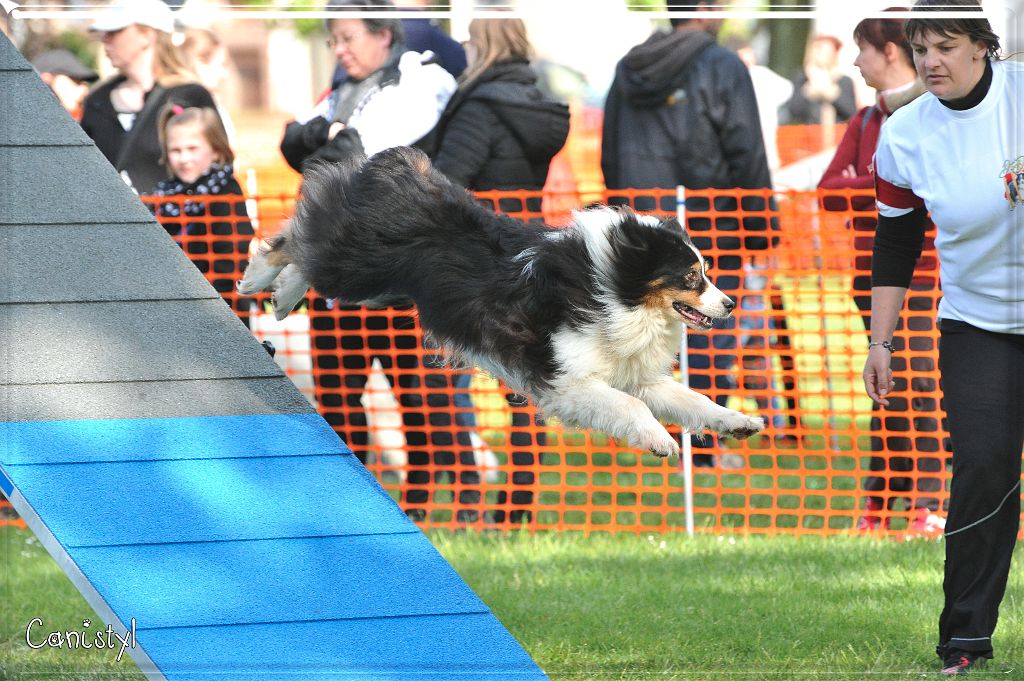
point(121, 114)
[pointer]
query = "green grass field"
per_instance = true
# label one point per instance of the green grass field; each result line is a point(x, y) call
point(629, 607)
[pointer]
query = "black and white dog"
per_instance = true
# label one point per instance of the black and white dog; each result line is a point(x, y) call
point(584, 319)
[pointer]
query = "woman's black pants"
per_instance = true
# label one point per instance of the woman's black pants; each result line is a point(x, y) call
point(982, 377)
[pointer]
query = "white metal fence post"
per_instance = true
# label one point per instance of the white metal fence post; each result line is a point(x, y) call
point(686, 454)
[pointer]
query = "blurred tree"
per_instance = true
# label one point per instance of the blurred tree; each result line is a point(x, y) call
point(82, 45)
point(304, 27)
point(788, 38)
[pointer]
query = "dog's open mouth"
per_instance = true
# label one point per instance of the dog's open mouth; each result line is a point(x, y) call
point(692, 316)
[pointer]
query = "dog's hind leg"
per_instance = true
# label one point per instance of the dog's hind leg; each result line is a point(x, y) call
point(675, 403)
point(291, 289)
point(259, 275)
point(596, 405)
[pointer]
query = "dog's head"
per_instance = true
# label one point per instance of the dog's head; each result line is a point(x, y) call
point(653, 262)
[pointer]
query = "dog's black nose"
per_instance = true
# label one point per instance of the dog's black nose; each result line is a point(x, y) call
point(729, 305)
point(269, 347)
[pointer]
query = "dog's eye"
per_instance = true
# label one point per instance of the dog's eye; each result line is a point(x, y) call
point(692, 277)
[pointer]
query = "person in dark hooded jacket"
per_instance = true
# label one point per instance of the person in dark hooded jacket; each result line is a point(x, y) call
point(682, 111)
point(500, 132)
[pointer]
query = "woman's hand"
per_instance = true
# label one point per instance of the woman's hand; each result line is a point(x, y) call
point(878, 374)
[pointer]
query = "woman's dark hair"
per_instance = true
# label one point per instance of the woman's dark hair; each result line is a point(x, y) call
point(350, 10)
point(977, 30)
point(877, 31)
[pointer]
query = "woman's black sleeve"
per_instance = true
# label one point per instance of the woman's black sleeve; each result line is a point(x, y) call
point(898, 244)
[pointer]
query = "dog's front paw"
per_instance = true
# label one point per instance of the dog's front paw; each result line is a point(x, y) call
point(741, 426)
point(660, 444)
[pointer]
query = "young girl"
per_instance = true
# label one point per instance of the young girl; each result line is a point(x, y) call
point(198, 156)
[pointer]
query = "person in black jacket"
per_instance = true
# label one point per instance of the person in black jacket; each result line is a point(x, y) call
point(500, 132)
point(682, 111)
point(121, 115)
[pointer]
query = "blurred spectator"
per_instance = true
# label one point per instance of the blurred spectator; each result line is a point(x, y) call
point(121, 114)
point(886, 62)
point(500, 132)
point(67, 77)
point(771, 90)
point(391, 97)
point(208, 59)
point(671, 99)
point(682, 111)
point(199, 158)
point(564, 83)
point(822, 95)
point(424, 35)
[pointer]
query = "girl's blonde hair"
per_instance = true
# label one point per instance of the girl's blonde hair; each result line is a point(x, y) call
point(209, 122)
point(496, 40)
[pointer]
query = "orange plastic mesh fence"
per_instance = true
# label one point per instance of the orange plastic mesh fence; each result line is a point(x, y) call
point(8, 516)
point(797, 142)
point(455, 448)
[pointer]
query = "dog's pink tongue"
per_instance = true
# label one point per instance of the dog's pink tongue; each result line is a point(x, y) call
point(697, 318)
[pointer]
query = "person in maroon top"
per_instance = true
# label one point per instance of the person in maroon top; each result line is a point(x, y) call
point(886, 62)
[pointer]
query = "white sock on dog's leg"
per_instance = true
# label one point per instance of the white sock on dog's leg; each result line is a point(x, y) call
point(258, 276)
point(291, 289)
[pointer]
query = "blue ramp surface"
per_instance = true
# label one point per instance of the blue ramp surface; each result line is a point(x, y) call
point(185, 486)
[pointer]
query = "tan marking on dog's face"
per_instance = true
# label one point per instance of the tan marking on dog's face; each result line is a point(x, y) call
point(664, 291)
point(691, 298)
point(656, 295)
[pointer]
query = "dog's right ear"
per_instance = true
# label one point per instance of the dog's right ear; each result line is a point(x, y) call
point(674, 225)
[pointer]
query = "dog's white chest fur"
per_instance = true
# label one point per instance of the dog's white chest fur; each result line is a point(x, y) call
point(630, 348)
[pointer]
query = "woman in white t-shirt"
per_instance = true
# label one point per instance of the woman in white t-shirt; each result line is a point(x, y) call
point(957, 153)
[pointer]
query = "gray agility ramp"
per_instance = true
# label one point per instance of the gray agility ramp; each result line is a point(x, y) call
point(175, 474)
